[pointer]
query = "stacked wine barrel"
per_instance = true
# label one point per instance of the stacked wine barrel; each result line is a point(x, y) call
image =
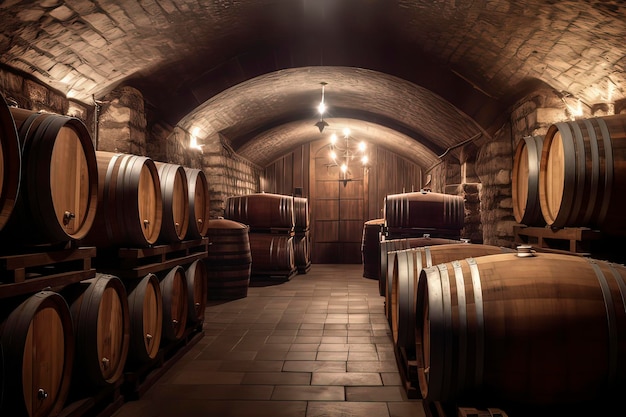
point(302, 234)
point(370, 247)
point(271, 220)
point(61, 203)
point(574, 177)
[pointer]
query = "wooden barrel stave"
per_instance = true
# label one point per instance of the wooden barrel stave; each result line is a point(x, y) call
point(196, 275)
point(301, 214)
point(271, 253)
point(199, 203)
point(145, 303)
point(425, 210)
point(175, 193)
point(302, 249)
point(531, 323)
point(37, 341)
point(370, 247)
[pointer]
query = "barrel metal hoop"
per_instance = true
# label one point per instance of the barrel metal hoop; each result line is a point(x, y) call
point(462, 311)
point(569, 176)
point(429, 259)
point(480, 321)
point(448, 350)
point(594, 185)
point(608, 170)
point(533, 153)
point(580, 153)
point(437, 359)
point(611, 322)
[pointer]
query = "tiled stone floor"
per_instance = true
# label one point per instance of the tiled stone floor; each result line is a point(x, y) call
point(317, 345)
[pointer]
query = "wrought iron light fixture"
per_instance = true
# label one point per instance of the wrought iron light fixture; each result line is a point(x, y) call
point(321, 108)
point(344, 152)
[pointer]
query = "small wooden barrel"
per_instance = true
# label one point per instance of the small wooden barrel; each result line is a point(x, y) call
point(302, 219)
point(392, 245)
point(37, 340)
point(370, 247)
point(440, 213)
point(58, 193)
point(408, 264)
point(272, 254)
point(544, 330)
point(145, 303)
point(582, 174)
point(228, 261)
point(10, 163)
point(196, 275)
point(130, 202)
point(261, 211)
point(100, 314)
point(175, 194)
point(199, 203)
point(526, 164)
point(302, 251)
point(175, 304)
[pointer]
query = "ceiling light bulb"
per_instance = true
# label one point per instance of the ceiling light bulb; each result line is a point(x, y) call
point(321, 107)
point(364, 160)
point(346, 131)
point(362, 146)
point(333, 139)
point(333, 155)
point(344, 168)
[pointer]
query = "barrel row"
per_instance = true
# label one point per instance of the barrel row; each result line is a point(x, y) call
point(56, 188)
point(574, 176)
point(82, 338)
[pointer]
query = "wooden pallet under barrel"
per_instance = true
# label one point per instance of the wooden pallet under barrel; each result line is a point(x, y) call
point(28, 273)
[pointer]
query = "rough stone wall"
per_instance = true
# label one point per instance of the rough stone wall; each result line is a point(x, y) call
point(25, 93)
point(122, 122)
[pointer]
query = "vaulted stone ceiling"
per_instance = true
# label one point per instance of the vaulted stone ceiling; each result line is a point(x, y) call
point(416, 76)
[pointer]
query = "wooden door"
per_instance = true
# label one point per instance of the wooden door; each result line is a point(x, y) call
point(337, 210)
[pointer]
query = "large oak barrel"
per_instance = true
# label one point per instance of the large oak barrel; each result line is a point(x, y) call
point(370, 247)
point(526, 165)
point(262, 211)
point(582, 174)
point(392, 245)
point(546, 330)
point(196, 275)
point(302, 219)
point(100, 314)
point(130, 202)
point(408, 265)
point(145, 303)
point(441, 214)
point(37, 341)
point(302, 251)
point(199, 203)
point(58, 193)
point(175, 192)
point(228, 261)
point(272, 254)
point(175, 304)
point(10, 163)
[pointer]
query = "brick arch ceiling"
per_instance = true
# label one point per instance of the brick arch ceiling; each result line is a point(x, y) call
point(478, 56)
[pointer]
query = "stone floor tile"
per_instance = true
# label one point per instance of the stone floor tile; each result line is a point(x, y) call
point(276, 378)
point(347, 409)
point(390, 393)
point(332, 356)
point(308, 393)
point(406, 409)
point(314, 366)
point(346, 379)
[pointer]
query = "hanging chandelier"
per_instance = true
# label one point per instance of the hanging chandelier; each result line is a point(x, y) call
point(346, 153)
point(321, 108)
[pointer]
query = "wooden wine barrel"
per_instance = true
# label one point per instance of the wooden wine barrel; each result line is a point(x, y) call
point(547, 330)
point(407, 267)
point(175, 192)
point(370, 247)
point(58, 193)
point(10, 162)
point(145, 303)
point(272, 254)
point(302, 219)
point(129, 203)
point(199, 203)
point(100, 314)
point(196, 275)
point(302, 251)
point(428, 211)
point(262, 211)
point(526, 165)
point(37, 340)
point(175, 304)
point(228, 260)
point(582, 174)
point(392, 245)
